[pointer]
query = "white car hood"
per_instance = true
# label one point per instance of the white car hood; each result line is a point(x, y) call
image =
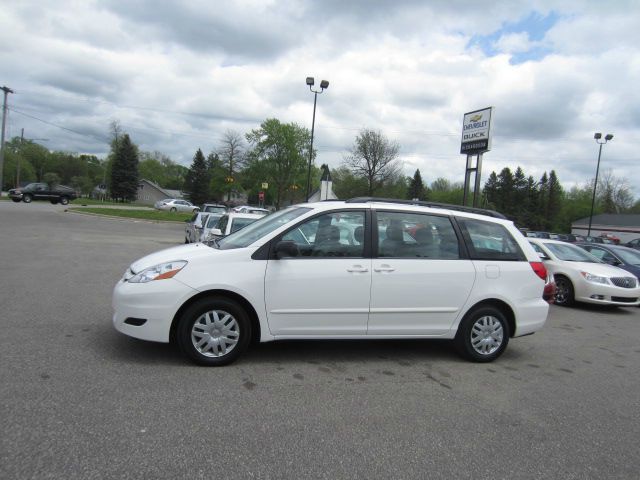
point(182, 252)
point(601, 269)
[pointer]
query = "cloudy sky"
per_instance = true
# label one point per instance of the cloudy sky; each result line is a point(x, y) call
point(177, 75)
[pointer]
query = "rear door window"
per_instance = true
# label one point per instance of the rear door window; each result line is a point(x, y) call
point(489, 241)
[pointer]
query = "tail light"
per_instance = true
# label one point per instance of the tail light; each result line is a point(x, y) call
point(540, 270)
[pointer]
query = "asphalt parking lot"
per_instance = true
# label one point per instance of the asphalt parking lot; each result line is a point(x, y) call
point(80, 400)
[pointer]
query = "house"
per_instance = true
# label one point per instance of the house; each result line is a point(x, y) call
point(624, 226)
point(149, 193)
point(326, 187)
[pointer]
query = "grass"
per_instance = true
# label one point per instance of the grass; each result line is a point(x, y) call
point(154, 215)
point(91, 201)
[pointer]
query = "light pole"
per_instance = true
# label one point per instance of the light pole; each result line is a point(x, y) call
point(597, 138)
point(323, 84)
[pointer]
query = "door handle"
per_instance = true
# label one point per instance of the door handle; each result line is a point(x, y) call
point(384, 268)
point(357, 269)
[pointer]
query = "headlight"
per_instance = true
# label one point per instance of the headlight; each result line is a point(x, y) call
point(158, 272)
point(589, 277)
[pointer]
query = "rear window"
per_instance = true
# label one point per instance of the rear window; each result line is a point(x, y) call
point(490, 241)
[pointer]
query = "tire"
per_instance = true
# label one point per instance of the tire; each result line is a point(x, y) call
point(64, 200)
point(54, 201)
point(483, 334)
point(173, 209)
point(565, 295)
point(211, 320)
point(16, 200)
point(27, 198)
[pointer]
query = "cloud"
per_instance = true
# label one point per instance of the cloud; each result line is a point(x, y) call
point(178, 74)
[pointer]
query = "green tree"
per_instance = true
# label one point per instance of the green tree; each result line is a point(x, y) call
point(196, 185)
point(554, 201)
point(347, 185)
point(124, 170)
point(373, 157)
point(444, 191)
point(416, 187)
point(279, 153)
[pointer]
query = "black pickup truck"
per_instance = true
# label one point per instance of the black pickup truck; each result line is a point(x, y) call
point(41, 191)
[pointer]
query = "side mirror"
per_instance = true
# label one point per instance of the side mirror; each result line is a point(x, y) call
point(543, 256)
point(216, 231)
point(286, 249)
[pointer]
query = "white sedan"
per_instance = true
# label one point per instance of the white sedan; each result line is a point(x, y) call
point(175, 205)
point(582, 277)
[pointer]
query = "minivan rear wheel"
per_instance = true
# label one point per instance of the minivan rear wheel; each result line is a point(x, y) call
point(483, 334)
point(214, 331)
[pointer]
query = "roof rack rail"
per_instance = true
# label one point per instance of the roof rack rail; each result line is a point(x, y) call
point(459, 208)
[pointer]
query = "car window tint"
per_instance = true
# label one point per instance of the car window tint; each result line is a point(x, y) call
point(336, 234)
point(414, 235)
point(239, 223)
point(490, 241)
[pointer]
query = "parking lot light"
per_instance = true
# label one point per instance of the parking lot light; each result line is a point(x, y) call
point(597, 136)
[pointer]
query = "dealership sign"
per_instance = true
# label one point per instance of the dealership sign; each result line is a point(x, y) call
point(476, 136)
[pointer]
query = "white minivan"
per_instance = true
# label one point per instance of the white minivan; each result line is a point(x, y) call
point(364, 268)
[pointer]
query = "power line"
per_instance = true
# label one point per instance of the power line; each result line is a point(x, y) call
point(88, 135)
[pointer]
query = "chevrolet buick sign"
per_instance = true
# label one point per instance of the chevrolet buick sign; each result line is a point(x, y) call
point(476, 136)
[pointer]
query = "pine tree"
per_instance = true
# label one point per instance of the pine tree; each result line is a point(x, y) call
point(124, 171)
point(554, 200)
point(416, 187)
point(196, 184)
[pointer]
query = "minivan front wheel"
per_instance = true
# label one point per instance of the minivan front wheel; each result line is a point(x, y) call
point(483, 334)
point(214, 331)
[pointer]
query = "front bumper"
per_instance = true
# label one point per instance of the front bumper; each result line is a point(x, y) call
point(607, 295)
point(16, 195)
point(154, 302)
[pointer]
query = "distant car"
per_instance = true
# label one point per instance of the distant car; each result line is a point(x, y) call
point(635, 243)
point(611, 237)
point(214, 208)
point(619, 256)
point(580, 276)
point(42, 191)
point(591, 239)
point(211, 223)
point(247, 209)
point(193, 228)
point(231, 222)
point(542, 234)
point(175, 205)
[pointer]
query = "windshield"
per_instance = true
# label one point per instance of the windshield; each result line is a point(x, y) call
point(630, 257)
point(260, 228)
point(571, 253)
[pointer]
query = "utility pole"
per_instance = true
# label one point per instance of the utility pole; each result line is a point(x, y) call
point(6, 91)
point(18, 159)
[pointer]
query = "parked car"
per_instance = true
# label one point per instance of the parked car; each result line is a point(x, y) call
point(42, 191)
point(291, 275)
point(611, 237)
point(175, 205)
point(623, 257)
point(580, 276)
point(211, 223)
point(542, 235)
point(635, 243)
point(247, 209)
point(194, 227)
point(214, 208)
point(230, 223)
point(591, 239)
